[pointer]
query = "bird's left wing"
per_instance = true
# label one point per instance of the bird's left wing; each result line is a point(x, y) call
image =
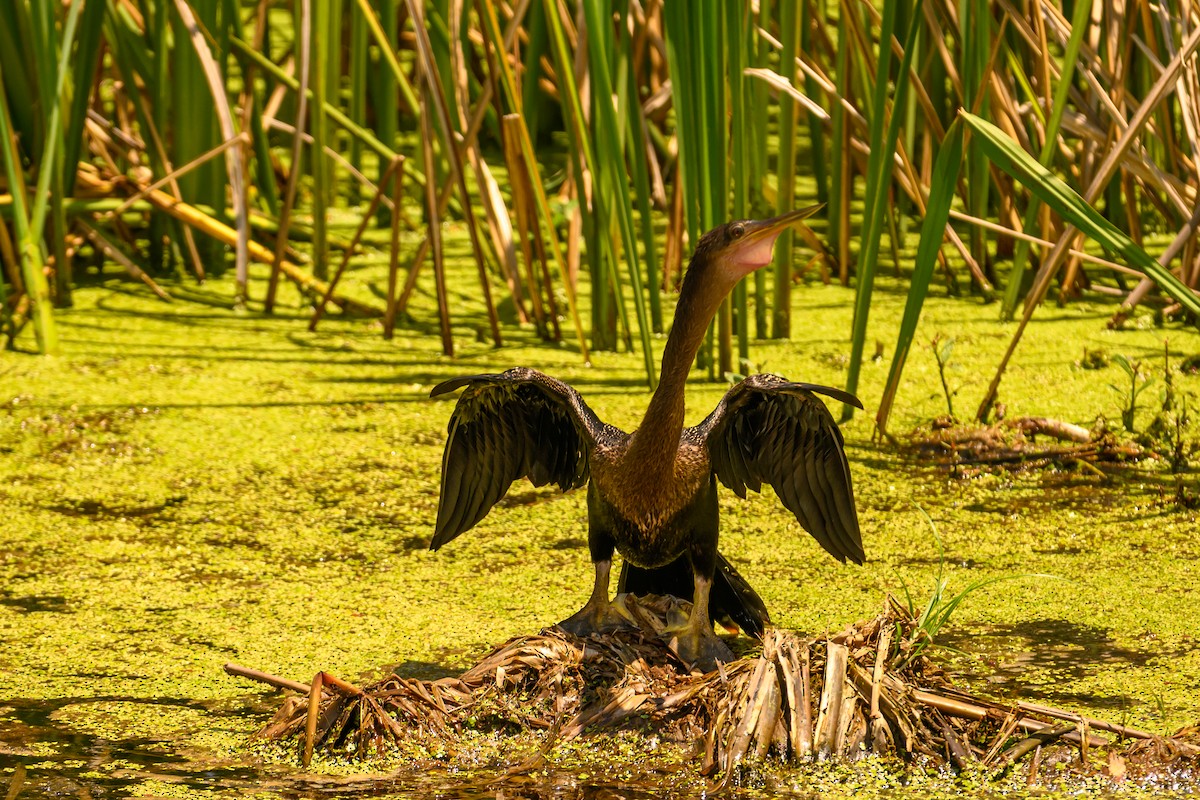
point(769, 430)
point(517, 424)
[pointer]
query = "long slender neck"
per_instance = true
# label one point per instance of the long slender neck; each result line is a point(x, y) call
point(656, 441)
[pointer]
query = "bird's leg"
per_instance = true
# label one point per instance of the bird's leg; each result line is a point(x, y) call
point(695, 642)
point(598, 614)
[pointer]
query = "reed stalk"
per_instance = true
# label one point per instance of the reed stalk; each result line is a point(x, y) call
point(785, 197)
point(879, 169)
point(29, 249)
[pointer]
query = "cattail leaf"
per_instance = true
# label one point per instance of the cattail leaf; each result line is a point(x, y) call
point(1008, 156)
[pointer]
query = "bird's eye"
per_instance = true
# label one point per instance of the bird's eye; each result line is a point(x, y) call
point(737, 230)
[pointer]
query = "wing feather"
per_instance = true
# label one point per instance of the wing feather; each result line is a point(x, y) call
point(516, 424)
point(769, 430)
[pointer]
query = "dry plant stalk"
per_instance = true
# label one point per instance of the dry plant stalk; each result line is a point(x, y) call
point(1014, 444)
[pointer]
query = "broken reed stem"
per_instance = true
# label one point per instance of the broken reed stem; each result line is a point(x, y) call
point(959, 708)
point(263, 677)
point(878, 727)
point(372, 207)
point(829, 721)
point(389, 317)
point(16, 783)
point(806, 720)
point(1034, 742)
point(193, 217)
point(314, 710)
point(1123, 731)
point(101, 243)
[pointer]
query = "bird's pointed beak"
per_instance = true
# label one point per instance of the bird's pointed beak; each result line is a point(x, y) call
point(753, 250)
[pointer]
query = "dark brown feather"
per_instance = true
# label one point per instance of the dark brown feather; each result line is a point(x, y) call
point(517, 424)
point(769, 430)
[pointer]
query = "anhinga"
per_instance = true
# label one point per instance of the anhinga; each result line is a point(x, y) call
point(652, 494)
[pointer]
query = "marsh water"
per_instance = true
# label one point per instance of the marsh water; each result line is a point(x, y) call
point(189, 486)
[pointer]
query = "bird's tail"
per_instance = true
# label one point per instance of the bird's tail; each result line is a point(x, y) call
point(732, 601)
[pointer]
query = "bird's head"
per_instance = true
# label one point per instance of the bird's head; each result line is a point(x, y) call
point(738, 248)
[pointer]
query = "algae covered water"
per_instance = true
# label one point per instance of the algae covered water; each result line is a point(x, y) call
point(188, 486)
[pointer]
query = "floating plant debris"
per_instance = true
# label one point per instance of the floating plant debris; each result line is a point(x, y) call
point(1022, 443)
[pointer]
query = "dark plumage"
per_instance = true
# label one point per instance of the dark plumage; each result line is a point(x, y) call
point(652, 494)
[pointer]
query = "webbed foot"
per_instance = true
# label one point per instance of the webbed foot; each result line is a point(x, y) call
point(595, 617)
point(698, 647)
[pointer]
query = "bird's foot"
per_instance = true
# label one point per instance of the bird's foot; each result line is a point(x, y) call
point(601, 617)
point(697, 647)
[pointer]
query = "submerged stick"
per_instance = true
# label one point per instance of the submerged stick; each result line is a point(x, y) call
point(1099, 724)
point(1034, 742)
point(961, 708)
point(17, 781)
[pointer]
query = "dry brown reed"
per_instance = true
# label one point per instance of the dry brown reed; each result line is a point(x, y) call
point(870, 689)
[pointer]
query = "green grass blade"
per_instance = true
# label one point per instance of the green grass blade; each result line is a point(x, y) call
point(359, 66)
point(512, 95)
point(785, 198)
point(29, 250)
point(52, 99)
point(816, 127)
point(737, 25)
point(879, 167)
point(841, 181)
point(214, 79)
point(635, 152)
point(324, 50)
point(610, 165)
point(91, 28)
point(758, 154)
point(384, 39)
point(386, 91)
point(16, 62)
point(675, 20)
point(264, 171)
point(975, 29)
point(937, 213)
point(1008, 156)
point(534, 100)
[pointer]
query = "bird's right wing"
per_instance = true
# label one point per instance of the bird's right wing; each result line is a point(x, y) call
point(517, 424)
point(773, 431)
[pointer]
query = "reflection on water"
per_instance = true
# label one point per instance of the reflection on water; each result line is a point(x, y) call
point(62, 761)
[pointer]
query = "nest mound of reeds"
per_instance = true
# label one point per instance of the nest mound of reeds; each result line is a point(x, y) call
point(869, 689)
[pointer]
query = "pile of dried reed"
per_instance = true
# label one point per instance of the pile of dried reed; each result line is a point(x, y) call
point(1022, 443)
point(869, 689)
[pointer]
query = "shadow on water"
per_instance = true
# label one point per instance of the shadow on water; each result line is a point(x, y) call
point(62, 760)
point(35, 602)
point(1028, 660)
